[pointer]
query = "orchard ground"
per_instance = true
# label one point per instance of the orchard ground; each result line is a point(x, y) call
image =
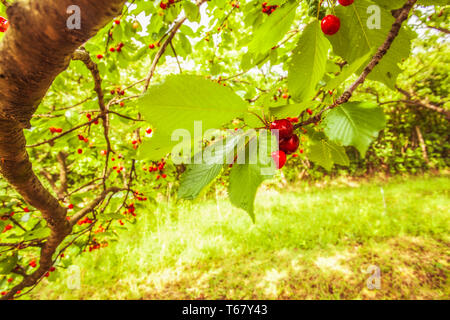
point(309, 242)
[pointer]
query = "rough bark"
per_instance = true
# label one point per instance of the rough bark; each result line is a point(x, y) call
point(36, 48)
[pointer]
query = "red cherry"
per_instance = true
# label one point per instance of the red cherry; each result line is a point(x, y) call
point(112, 49)
point(151, 46)
point(330, 24)
point(99, 56)
point(345, 2)
point(80, 151)
point(309, 111)
point(163, 5)
point(103, 152)
point(26, 209)
point(122, 104)
point(117, 21)
point(149, 131)
point(284, 128)
point(290, 145)
point(280, 158)
point(4, 24)
point(52, 269)
point(70, 206)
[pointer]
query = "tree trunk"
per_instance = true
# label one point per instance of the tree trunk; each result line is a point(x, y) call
point(36, 48)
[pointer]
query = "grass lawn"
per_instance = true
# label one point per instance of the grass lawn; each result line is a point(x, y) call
point(309, 242)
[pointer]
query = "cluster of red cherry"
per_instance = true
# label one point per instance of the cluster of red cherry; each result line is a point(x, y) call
point(118, 48)
point(4, 24)
point(85, 220)
point(268, 9)
point(55, 130)
point(95, 245)
point(288, 141)
point(118, 91)
point(160, 167)
point(331, 24)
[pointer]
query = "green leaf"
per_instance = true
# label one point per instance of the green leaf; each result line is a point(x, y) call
point(40, 233)
point(346, 72)
point(325, 154)
point(7, 263)
point(308, 62)
point(355, 124)
point(180, 100)
point(198, 176)
point(292, 110)
point(156, 147)
point(192, 11)
point(355, 39)
point(246, 178)
point(273, 29)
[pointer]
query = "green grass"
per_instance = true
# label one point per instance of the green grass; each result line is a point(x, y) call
point(309, 242)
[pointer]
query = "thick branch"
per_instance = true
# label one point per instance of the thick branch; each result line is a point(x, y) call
point(401, 16)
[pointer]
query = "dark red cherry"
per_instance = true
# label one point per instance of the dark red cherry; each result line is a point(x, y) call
point(290, 145)
point(284, 127)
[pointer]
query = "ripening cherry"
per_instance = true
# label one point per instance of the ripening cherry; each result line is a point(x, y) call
point(103, 152)
point(345, 2)
point(330, 24)
point(280, 158)
point(136, 25)
point(284, 127)
point(290, 145)
point(122, 104)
